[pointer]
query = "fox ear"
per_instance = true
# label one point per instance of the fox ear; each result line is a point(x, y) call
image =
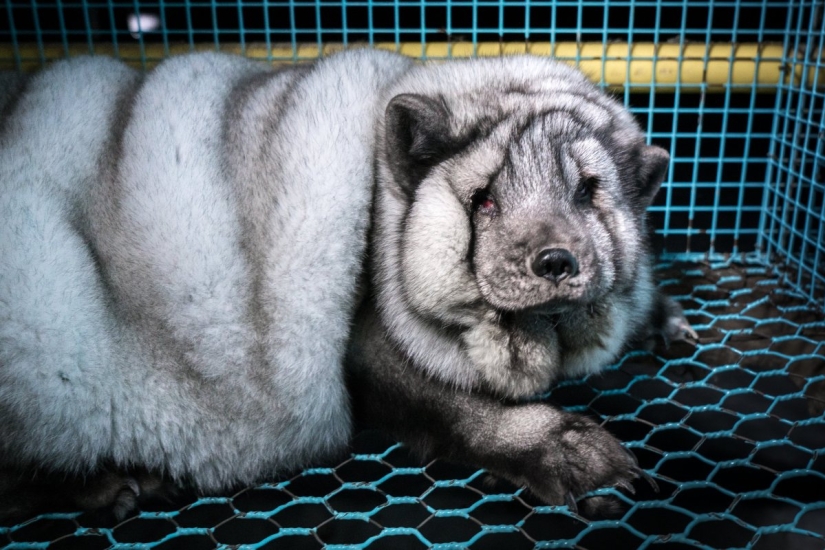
point(653, 163)
point(417, 136)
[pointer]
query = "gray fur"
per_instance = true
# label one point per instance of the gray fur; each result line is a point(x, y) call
point(536, 127)
point(183, 256)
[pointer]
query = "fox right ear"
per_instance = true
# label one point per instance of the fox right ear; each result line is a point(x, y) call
point(653, 162)
point(417, 136)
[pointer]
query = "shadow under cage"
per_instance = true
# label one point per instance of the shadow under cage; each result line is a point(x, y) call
point(732, 429)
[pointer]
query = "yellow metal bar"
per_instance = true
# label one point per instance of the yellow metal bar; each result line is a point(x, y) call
point(692, 67)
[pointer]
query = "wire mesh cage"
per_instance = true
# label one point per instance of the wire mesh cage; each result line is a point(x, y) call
point(732, 429)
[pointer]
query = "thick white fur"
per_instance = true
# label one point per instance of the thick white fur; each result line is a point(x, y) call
point(142, 319)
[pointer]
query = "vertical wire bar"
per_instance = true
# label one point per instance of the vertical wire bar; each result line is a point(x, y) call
point(630, 15)
point(163, 28)
point(798, 207)
point(397, 22)
point(820, 239)
point(18, 57)
point(370, 24)
point(319, 39)
point(813, 56)
point(113, 29)
point(216, 38)
point(87, 23)
point(631, 8)
point(475, 27)
point(780, 204)
point(819, 248)
point(579, 10)
point(293, 39)
point(672, 149)
point(769, 211)
point(344, 25)
point(241, 28)
point(190, 31)
point(64, 35)
point(694, 177)
point(717, 194)
point(790, 205)
point(422, 28)
point(500, 20)
point(605, 26)
point(750, 126)
point(449, 29)
point(674, 129)
point(41, 53)
point(141, 43)
point(527, 26)
point(267, 37)
point(815, 52)
point(676, 102)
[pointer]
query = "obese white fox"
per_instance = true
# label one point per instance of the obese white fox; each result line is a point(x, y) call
point(194, 256)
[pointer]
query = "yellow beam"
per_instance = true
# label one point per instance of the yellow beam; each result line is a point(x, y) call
point(692, 67)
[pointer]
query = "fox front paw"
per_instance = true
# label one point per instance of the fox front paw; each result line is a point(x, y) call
point(569, 456)
point(110, 495)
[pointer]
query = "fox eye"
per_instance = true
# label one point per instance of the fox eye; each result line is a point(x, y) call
point(584, 193)
point(484, 202)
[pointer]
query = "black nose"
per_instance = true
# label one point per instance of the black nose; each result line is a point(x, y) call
point(555, 264)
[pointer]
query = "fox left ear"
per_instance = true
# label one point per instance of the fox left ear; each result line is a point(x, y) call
point(417, 136)
point(653, 163)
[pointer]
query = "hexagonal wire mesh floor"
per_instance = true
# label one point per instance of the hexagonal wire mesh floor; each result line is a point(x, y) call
point(732, 430)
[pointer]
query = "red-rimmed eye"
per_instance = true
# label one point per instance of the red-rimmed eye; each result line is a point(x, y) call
point(484, 202)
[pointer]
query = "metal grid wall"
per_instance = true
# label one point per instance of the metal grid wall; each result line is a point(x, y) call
point(794, 201)
point(97, 24)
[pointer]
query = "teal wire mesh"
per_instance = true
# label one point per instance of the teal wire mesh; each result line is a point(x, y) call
point(94, 23)
point(792, 228)
point(732, 429)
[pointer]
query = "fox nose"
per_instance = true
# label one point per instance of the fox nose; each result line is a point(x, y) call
point(555, 264)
